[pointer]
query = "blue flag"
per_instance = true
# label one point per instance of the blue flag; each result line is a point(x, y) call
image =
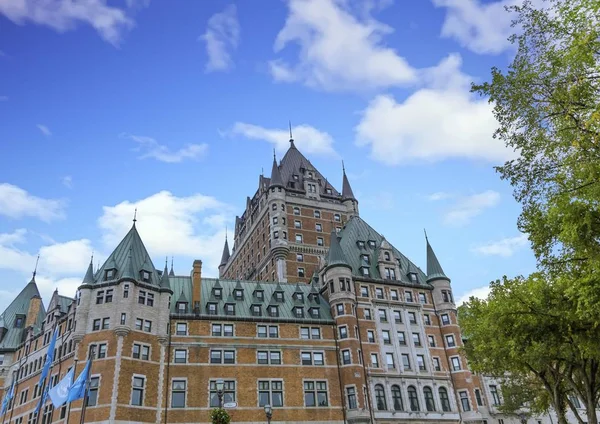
point(9, 395)
point(43, 399)
point(78, 389)
point(49, 357)
point(58, 394)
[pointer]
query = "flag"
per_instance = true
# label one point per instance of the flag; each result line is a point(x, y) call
point(49, 357)
point(58, 394)
point(9, 395)
point(43, 399)
point(78, 389)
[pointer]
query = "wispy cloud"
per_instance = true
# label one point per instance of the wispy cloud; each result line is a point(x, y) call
point(505, 247)
point(467, 208)
point(222, 35)
point(479, 292)
point(150, 148)
point(64, 15)
point(45, 130)
point(67, 181)
point(308, 138)
point(439, 195)
point(17, 203)
point(3, 98)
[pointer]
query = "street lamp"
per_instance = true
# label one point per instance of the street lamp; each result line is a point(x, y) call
point(523, 418)
point(268, 413)
point(220, 385)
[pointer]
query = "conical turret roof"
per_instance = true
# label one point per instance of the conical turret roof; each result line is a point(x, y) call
point(276, 180)
point(89, 275)
point(347, 193)
point(226, 255)
point(336, 255)
point(434, 269)
point(20, 307)
point(164, 279)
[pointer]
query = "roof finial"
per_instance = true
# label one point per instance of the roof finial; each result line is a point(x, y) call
point(274, 158)
point(425, 231)
point(291, 138)
point(134, 216)
point(343, 167)
point(36, 265)
point(226, 233)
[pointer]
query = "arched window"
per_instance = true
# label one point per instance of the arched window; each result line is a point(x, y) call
point(413, 400)
point(444, 399)
point(429, 402)
point(397, 398)
point(380, 398)
point(274, 206)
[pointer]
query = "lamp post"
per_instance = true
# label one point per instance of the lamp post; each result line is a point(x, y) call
point(268, 413)
point(220, 385)
point(523, 418)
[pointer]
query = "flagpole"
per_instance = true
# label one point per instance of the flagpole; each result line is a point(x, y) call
point(48, 377)
point(16, 379)
point(62, 345)
point(11, 388)
point(69, 406)
point(87, 384)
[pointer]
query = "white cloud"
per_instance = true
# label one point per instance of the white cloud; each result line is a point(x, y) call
point(504, 247)
point(479, 292)
point(150, 148)
point(68, 258)
point(45, 130)
point(338, 50)
point(169, 225)
point(3, 98)
point(469, 207)
point(17, 203)
point(63, 15)
point(10, 239)
point(439, 121)
point(439, 195)
point(309, 139)
point(67, 181)
point(222, 35)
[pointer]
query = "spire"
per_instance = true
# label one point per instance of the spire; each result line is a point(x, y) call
point(336, 255)
point(347, 193)
point(35, 269)
point(134, 216)
point(434, 269)
point(164, 278)
point(225, 256)
point(89, 275)
point(276, 180)
point(171, 273)
point(292, 146)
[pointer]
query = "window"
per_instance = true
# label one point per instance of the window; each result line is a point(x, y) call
point(406, 361)
point(299, 312)
point(298, 224)
point(268, 357)
point(96, 325)
point(238, 294)
point(275, 234)
point(212, 308)
point(450, 340)
point(367, 313)
point(379, 293)
point(386, 337)
point(346, 358)
point(141, 351)
point(390, 274)
point(382, 315)
point(337, 217)
point(147, 326)
point(371, 336)
point(365, 271)
point(426, 319)
point(178, 394)
point(228, 330)
point(343, 332)
point(394, 294)
point(137, 391)
point(125, 291)
point(496, 396)
point(315, 393)
point(273, 311)
point(105, 323)
point(429, 402)
point(361, 244)
point(182, 307)
point(123, 318)
point(229, 309)
point(92, 398)
point(413, 400)
point(431, 340)
point(408, 296)
point(109, 296)
point(380, 401)
point(397, 317)
point(301, 272)
point(312, 358)
point(317, 214)
point(228, 392)
point(389, 359)
point(319, 241)
point(310, 332)
point(397, 398)
point(101, 351)
point(374, 360)
point(421, 362)
point(100, 297)
point(444, 399)
point(296, 210)
point(340, 308)
point(274, 207)
point(181, 356)
point(270, 393)
point(351, 394)
point(445, 319)
point(142, 297)
point(364, 291)
point(298, 238)
point(217, 330)
point(416, 339)
point(412, 317)
point(139, 323)
point(464, 401)
point(478, 397)
point(401, 338)
point(455, 363)
point(447, 296)
point(422, 298)
point(275, 219)
point(181, 329)
point(217, 293)
point(436, 364)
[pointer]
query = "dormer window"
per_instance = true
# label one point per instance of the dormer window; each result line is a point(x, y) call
point(299, 312)
point(371, 244)
point(145, 275)
point(296, 177)
point(315, 312)
point(360, 244)
point(230, 309)
point(110, 274)
point(365, 271)
point(19, 321)
point(299, 296)
point(273, 311)
point(386, 256)
point(256, 310)
point(181, 307)
point(211, 308)
point(328, 191)
point(238, 294)
point(364, 260)
point(259, 294)
point(278, 296)
point(218, 293)
point(413, 277)
point(310, 175)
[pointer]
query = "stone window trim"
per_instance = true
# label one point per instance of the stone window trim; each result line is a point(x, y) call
point(180, 349)
point(173, 380)
point(183, 325)
point(269, 359)
point(96, 347)
point(143, 389)
point(96, 388)
point(456, 363)
point(268, 331)
point(316, 390)
point(141, 344)
point(271, 390)
point(311, 333)
point(353, 392)
point(222, 353)
point(312, 355)
point(228, 392)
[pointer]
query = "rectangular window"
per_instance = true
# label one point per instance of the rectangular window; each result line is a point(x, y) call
point(298, 238)
point(386, 337)
point(416, 339)
point(394, 294)
point(92, 398)
point(445, 319)
point(109, 296)
point(382, 315)
point(495, 395)
point(397, 317)
point(178, 394)
point(426, 319)
point(464, 401)
point(228, 392)
point(408, 296)
point(270, 393)
point(216, 357)
point(401, 338)
point(379, 293)
point(455, 363)
point(228, 330)
point(318, 227)
point(367, 313)
point(421, 362)
point(301, 272)
point(389, 359)
point(374, 360)
point(180, 356)
point(142, 297)
point(147, 326)
point(181, 328)
point(450, 340)
point(343, 332)
point(150, 299)
point(422, 298)
point(275, 358)
point(100, 297)
point(431, 340)
point(105, 323)
point(137, 391)
point(436, 364)
point(478, 397)
point(412, 317)
point(371, 336)
point(346, 359)
point(101, 351)
point(320, 241)
point(315, 393)
point(406, 361)
point(364, 291)
point(351, 394)
point(123, 318)
point(317, 214)
point(96, 325)
point(229, 357)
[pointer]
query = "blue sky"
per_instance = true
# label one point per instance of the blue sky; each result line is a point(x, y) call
point(109, 106)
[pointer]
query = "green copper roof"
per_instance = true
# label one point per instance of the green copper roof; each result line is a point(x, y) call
point(164, 279)
point(355, 230)
point(434, 269)
point(19, 307)
point(89, 275)
point(129, 258)
point(225, 256)
point(243, 307)
point(336, 256)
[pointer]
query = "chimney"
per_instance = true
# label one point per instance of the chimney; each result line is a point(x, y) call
point(35, 306)
point(196, 284)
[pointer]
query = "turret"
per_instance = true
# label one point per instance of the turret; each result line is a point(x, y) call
point(348, 198)
point(278, 215)
point(442, 292)
point(224, 258)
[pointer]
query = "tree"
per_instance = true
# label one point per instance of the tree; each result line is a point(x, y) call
point(219, 416)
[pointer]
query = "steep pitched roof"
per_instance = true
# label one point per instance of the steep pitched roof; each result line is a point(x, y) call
point(225, 256)
point(19, 307)
point(275, 180)
point(347, 193)
point(336, 256)
point(129, 258)
point(434, 269)
point(89, 275)
point(291, 163)
point(164, 279)
point(355, 230)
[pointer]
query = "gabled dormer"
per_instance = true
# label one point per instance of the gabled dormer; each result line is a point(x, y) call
point(182, 304)
point(258, 294)
point(230, 305)
point(216, 292)
point(238, 292)
point(278, 294)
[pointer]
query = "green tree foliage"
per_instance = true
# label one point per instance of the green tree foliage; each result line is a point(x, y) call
point(219, 416)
